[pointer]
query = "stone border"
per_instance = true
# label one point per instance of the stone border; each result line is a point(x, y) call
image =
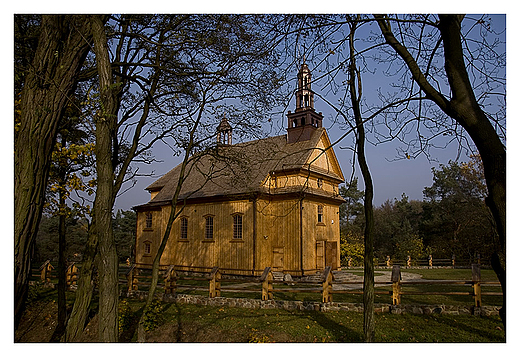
point(320, 306)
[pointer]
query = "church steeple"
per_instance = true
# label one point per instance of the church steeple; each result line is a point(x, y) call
point(304, 121)
point(304, 94)
point(224, 132)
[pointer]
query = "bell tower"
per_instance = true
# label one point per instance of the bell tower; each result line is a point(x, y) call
point(304, 121)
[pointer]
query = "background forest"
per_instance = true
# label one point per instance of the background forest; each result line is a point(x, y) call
point(452, 219)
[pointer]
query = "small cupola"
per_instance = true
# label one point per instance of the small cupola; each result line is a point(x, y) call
point(224, 132)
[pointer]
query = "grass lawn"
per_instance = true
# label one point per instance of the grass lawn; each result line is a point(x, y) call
point(192, 323)
point(176, 322)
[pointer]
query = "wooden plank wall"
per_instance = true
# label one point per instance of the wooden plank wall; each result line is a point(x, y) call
point(223, 250)
point(277, 235)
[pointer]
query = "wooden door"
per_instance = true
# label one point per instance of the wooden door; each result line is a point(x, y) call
point(331, 255)
point(278, 259)
point(320, 255)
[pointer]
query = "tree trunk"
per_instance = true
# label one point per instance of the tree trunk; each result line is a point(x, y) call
point(368, 280)
point(62, 264)
point(78, 316)
point(62, 48)
point(465, 109)
point(106, 121)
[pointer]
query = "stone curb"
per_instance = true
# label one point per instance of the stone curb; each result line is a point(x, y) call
point(320, 306)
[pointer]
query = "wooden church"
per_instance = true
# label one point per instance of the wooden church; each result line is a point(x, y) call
point(271, 202)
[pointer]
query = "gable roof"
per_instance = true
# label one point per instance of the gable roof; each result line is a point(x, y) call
point(241, 168)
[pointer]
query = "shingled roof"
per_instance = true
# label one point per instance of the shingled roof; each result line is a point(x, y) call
point(239, 169)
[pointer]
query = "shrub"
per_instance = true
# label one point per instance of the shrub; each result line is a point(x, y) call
point(124, 316)
point(153, 316)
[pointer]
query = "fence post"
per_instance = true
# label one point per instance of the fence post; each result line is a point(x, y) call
point(475, 273)
point(170, 280)
point(214, 283)
point(267, 284)
point(430, 260)
point(131, 278)
point(327, 285)
point(349, 262)
point(71, 275)
point(46, 270)
point(409, 262)
point(387, 260)
point(396, 285)
point(453, 260)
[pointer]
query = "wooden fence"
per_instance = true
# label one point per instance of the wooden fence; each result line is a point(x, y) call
point(428, 262)
point(44, 273)
point(211, 280)
point(323, 284)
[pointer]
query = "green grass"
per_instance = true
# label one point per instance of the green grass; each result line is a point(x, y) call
point(192, 323)
point(452, 274)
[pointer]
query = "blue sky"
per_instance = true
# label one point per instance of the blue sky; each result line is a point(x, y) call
point(391, 177)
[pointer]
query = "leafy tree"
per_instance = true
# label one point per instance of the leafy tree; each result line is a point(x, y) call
point(353, 207)
point(397, 225)
point(351, 215)
point(46, 244)
point(456, 219)
point(71, 155)
point(124, 225)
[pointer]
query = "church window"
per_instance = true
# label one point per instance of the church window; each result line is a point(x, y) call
point(147, 247)
point(149, 221)
point(320, 214)
point(184, 228)
point(237, 226)
point(209, 227)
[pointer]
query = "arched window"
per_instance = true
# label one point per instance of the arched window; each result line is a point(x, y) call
point(209, 227)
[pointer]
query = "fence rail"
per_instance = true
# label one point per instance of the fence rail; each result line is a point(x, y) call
point(429, 262)
point(322, 285)
point(214, 282)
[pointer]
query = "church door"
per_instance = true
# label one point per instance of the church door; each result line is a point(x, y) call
point(278, 259)
point(331, 255)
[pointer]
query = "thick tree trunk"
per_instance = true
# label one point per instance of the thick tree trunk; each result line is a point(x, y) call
point(106, 121)
point(62, 48)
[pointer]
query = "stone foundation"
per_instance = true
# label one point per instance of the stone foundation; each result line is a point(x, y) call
point(320, 306)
